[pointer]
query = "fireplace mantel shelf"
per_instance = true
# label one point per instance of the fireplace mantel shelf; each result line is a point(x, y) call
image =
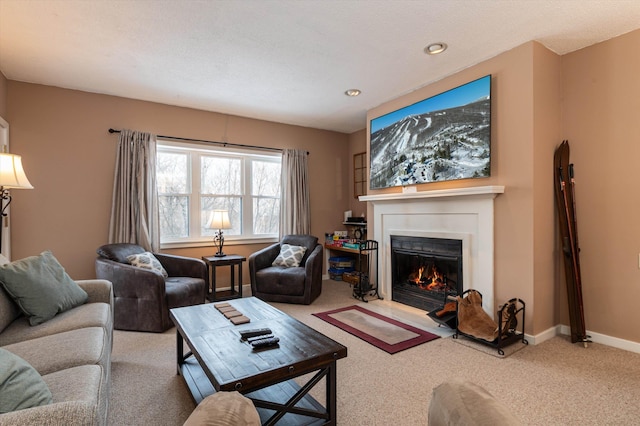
point(491, 191)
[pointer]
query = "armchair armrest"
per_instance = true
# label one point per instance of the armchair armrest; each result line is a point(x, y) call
point(264, 258)
point(131, 281)
point(314, 265)
point(181, 266)
point(314, 261)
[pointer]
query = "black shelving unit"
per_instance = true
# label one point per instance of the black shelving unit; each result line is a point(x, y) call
point(507, 333)
point(367, 284)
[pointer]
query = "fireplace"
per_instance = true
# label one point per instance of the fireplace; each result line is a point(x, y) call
point(424, 271)
point(465, 214)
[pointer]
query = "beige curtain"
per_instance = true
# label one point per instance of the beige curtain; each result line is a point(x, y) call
point(134, 208)
point(295, 214)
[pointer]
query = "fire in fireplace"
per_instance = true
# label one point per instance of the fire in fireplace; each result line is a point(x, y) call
point(425, 271)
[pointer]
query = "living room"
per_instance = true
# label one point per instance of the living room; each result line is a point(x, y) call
point(589, 96)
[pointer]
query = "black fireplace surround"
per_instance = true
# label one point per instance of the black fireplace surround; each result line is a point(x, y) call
point(425, 270)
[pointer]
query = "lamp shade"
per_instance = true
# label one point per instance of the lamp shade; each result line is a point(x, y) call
point(11, 172)
point(219, 220)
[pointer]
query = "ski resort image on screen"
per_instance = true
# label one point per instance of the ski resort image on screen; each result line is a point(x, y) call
point(444, 137)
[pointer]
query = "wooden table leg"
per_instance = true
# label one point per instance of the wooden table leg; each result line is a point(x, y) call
point(179, 351)
point(332, 396)
point(232, 285)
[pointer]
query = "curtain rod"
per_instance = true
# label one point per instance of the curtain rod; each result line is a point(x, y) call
point(175, 138)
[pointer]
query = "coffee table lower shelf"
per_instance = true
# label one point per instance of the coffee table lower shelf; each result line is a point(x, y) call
point(279, 393)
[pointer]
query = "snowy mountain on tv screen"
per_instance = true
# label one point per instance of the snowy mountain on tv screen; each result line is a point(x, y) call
point(449, 144)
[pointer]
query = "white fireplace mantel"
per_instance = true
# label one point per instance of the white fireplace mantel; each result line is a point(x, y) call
point(438, 193)
point(461, 213)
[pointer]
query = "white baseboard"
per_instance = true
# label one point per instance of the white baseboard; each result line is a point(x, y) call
point(602, 339)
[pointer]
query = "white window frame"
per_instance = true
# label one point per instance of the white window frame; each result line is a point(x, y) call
point(196, 150)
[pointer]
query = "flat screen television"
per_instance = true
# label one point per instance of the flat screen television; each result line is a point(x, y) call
point(441, 138)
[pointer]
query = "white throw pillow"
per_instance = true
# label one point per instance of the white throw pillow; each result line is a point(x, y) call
point(148, 261)
point(289, 256)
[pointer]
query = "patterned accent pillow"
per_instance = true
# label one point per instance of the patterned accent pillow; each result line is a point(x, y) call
point(148, 261)
point(289, 256)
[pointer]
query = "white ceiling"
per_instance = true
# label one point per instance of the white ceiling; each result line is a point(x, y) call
point(288, 61)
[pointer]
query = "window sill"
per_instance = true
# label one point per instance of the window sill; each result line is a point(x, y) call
point(227, 242)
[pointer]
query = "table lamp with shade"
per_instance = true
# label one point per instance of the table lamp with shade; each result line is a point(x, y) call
point(12, 176)
point(219, 220)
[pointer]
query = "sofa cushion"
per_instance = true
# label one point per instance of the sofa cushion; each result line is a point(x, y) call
point(41, 287)
point(21, 386)
point(460, 402)
point(87, 315)
point(148, 261)
point(224, 409)
point(289, 256)
point(85, 346)
point(281, 280)
point(83, 391)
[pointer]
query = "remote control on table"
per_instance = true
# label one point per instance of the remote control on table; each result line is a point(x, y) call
point(264, 336)
point(245, 334)
point(263, 343)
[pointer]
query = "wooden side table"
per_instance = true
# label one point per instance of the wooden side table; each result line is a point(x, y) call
point(231, 260)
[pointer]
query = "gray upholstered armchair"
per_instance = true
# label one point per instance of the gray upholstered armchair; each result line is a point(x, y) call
point(142, 298)
point(299, 284)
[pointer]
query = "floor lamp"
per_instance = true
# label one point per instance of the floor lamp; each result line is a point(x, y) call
point(219, 220)
point(12, 176)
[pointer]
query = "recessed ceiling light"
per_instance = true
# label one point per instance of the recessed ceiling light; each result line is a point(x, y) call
point(435, 48)
point(352, 92)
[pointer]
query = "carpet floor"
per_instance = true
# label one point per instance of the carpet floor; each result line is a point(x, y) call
point(553, 383)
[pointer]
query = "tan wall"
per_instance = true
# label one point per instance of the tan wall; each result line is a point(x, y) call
point(547, 81)
point(589, 97)
point(511, 166)
point(601, 118)
point(357, 144)
point(3, 96)
point(69, 158)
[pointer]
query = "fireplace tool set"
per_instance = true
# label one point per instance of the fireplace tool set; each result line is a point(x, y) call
point(364, 284)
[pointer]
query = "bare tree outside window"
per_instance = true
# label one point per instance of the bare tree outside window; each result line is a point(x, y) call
point(265, 189)
point(173, 194)
point(192, 182)
point(221, 189)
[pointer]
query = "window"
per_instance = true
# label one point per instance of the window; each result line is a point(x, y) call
point(194, 180)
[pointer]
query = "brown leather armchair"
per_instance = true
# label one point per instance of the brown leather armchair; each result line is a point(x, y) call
point(142, 298)
point(301, 284)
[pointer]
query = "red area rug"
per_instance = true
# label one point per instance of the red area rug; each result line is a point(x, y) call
point(378, 330)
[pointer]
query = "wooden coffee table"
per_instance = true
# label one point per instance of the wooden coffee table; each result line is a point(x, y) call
point(219, 360)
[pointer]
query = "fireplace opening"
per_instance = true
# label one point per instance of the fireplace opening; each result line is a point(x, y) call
point(425, 271)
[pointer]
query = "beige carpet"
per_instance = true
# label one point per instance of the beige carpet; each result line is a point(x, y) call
point(554, 383)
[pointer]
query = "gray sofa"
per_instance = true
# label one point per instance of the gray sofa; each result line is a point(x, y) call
point(72, 353)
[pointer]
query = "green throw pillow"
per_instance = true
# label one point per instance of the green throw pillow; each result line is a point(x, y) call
point(41, 287)
point(20, 384)
point(290, 256)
